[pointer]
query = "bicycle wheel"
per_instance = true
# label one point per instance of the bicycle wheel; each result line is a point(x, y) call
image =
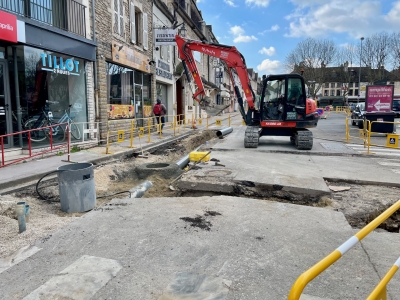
point(75, 132)
point(57, 132)
point(36, 135)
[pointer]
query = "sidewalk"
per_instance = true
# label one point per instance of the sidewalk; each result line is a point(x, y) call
point(33, 169)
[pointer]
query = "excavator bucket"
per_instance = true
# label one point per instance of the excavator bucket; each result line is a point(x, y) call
point(212, 109)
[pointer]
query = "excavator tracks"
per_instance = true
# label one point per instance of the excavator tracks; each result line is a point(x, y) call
point(251, 137)
point(303, 140)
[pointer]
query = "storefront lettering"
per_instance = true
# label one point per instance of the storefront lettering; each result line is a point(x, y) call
point(56, 64)
point(164, 65)
point(163, 73)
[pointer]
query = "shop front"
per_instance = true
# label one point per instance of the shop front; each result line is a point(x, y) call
point(128, 85)
point(39, 80)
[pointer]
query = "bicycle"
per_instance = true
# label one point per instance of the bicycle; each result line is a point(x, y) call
point(74, 129)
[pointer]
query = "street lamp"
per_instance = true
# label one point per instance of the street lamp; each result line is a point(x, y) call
point(359, 74)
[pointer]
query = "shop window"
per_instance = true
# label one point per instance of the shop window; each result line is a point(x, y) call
point(49, 81)
point(139, 27)
point(128, 93)
point(119, 17)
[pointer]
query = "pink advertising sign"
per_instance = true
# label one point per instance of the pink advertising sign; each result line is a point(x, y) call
point(379, 98)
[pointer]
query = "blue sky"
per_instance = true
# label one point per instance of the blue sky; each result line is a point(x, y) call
point(266, 31)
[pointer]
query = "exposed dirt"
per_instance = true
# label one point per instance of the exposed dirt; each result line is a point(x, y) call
point(360, 204)
point(46, 217)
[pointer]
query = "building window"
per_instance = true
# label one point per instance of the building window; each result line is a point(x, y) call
point(327, 85)
point(337, 92)
point(339, 85)
point(119, 17)
point(138, 27)
point(356, 92)
point(356, 85)
point(332, 93)
point(351, 92)
point(351, 84)
point(326, 93)
point(332, 85)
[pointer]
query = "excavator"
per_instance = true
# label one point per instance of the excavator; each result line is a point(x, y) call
point(282, 110)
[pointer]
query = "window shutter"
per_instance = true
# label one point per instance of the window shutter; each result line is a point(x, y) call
point(145, 32)
point(132, 21)
point(121, 17)
point(116, 16)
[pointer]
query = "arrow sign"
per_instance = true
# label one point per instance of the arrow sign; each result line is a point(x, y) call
point(382, 106)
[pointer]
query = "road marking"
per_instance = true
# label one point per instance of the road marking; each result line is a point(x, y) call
point(80, 280)
point(17, 257)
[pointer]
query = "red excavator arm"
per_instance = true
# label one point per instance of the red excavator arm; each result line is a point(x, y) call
point(229, 54)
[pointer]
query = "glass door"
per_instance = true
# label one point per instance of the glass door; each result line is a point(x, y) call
point(138, 105)
point(5, 105)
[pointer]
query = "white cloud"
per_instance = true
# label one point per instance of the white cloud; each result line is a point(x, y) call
point(270, 67)
point(263, 3)
point(239, 36)
point(236, 30)
point(273, 28)
point(268, 51)
point(393, 16)
point(244, 39)
point(317, 18)
point(230, 3)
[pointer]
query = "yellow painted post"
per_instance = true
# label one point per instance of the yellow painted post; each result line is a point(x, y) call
point(149, 130)
point(369, 135)
point(229, 120)
point(184, 122)
point(174, 125)
point(379, 293)
point(207, 123)
point(159, 126)
point(132, 132)
point(347, 130)
point(108, 136)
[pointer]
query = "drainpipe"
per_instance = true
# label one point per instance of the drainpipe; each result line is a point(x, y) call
point(96, 91)
point(17, 96)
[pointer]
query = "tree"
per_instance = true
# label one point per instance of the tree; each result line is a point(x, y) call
point(345, 74)
point(395, 54)
point(311, 58)
point(375, 54)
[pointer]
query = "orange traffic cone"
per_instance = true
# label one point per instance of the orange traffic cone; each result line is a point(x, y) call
point(194, 124)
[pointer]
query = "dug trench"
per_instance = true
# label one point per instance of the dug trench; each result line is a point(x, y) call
point(359, 203)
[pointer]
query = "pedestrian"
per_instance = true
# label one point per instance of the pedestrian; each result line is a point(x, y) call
point(160, 111)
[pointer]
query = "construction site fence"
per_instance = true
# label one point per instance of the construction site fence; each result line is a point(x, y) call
point(365, 134)
point(32, 149)
point(148, 129)
point(380, 291)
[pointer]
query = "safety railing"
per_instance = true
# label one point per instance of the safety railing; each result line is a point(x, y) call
point(379, 293)
point(359, 133)
point(146, 129)
point(219, 121)
point(388, 128)
point(49, 143)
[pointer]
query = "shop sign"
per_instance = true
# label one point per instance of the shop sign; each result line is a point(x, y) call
point(379, 98)
point(163, 69)
point(8, 27)
point(55, 64)
point(126, 56)
point(164, 37)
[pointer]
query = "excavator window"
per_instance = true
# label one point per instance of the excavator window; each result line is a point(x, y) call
point(295, 91)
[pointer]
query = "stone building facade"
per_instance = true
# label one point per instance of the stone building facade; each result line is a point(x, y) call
point(125, 77)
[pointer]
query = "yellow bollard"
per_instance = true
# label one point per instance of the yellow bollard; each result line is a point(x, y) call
point(108, 141)
point(174, 125)
point(229, 120)
point(132, 133)
point(149, 130)
point(159, 127)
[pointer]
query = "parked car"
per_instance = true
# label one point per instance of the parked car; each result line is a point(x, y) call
point(396, 107)
point(357, 116)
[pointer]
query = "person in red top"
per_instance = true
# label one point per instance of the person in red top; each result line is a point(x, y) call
point(160, 111)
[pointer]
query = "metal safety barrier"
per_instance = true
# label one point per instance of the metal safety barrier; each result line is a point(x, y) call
point(379, 293)
point(392, 139)
point(361, 133)
point(48, 142)
point(344, 109)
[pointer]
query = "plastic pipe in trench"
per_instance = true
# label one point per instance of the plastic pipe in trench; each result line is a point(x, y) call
point(221, 133)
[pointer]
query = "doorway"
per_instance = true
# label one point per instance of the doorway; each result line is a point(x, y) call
point(5, 103)
point(179, 106)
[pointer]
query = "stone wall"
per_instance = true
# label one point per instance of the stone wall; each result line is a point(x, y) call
point(105, 36)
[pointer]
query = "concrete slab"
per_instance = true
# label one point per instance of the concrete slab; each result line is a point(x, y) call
point(260, 247)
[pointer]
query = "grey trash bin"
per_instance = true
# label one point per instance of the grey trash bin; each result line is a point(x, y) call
point(77, 187)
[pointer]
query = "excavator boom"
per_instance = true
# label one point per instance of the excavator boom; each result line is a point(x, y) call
point(229, 54)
